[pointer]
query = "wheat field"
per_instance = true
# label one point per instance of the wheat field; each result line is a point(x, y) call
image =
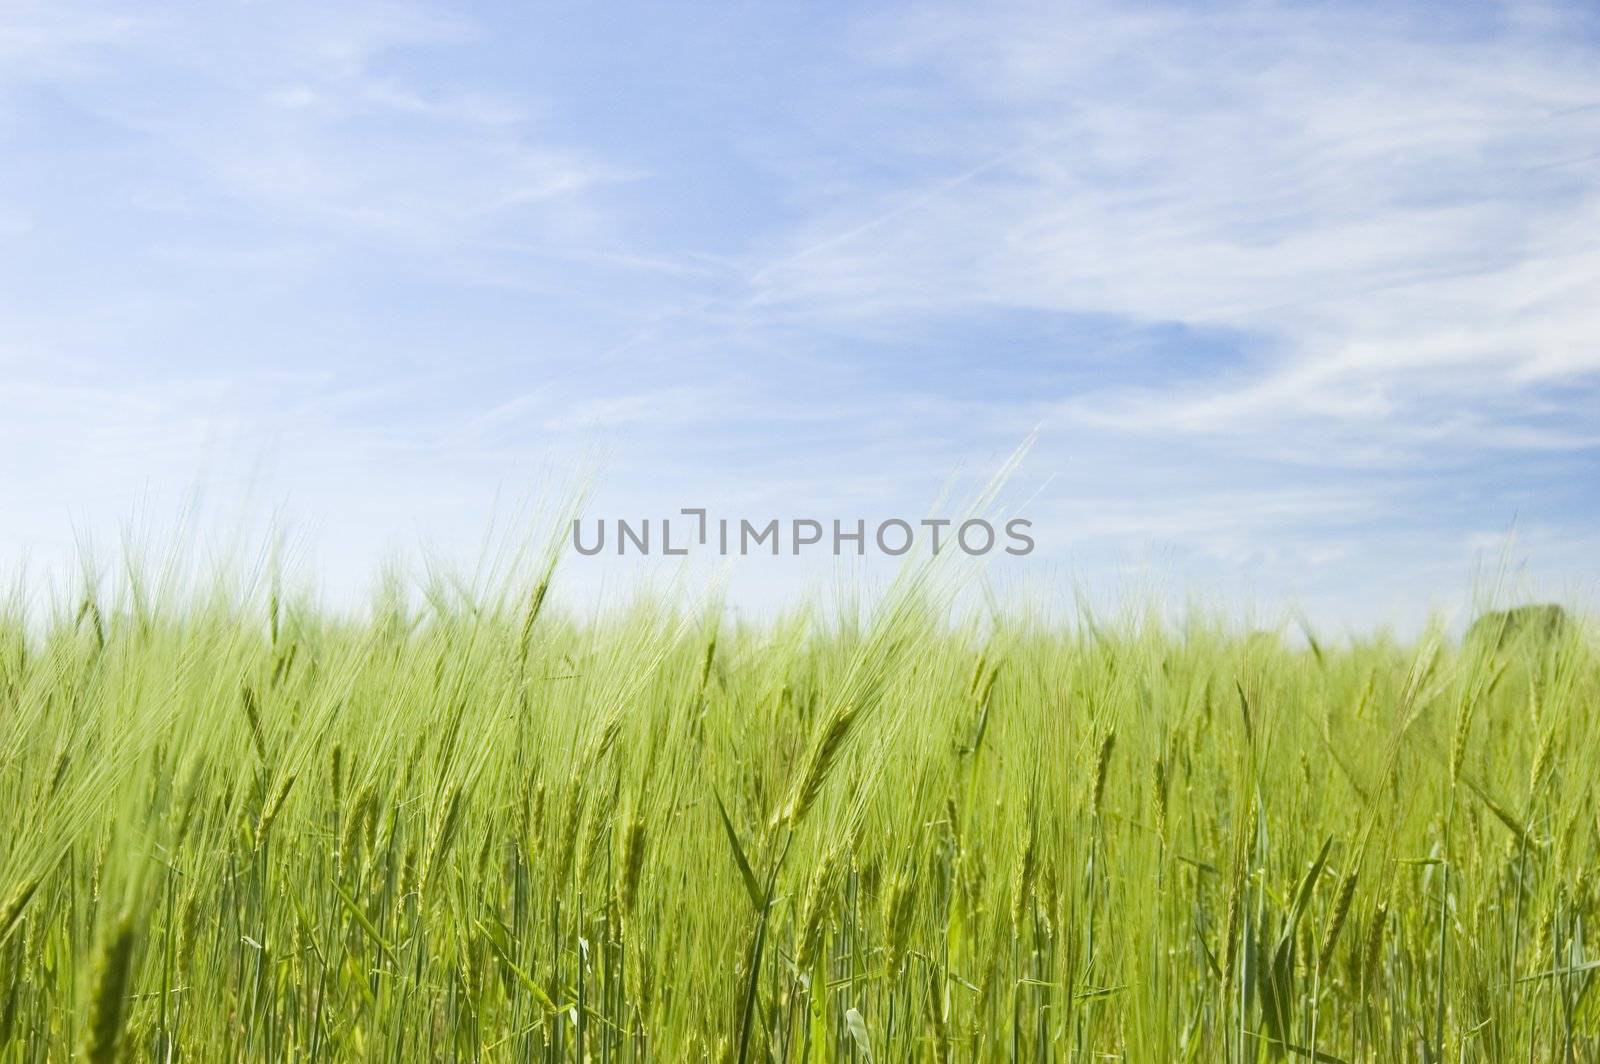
point(240, 827)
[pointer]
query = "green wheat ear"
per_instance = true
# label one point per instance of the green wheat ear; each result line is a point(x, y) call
point(108, 997)
point(819, 764)
point(16, 901)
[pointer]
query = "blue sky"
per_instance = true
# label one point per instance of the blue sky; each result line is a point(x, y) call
point(1303, 300)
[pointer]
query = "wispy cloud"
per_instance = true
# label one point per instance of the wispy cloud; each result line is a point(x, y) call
point(312, 116)
point(1398, 212)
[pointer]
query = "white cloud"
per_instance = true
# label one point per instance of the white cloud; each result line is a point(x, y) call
point(1399, 216)
point(294, 109)
point(54, 39)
